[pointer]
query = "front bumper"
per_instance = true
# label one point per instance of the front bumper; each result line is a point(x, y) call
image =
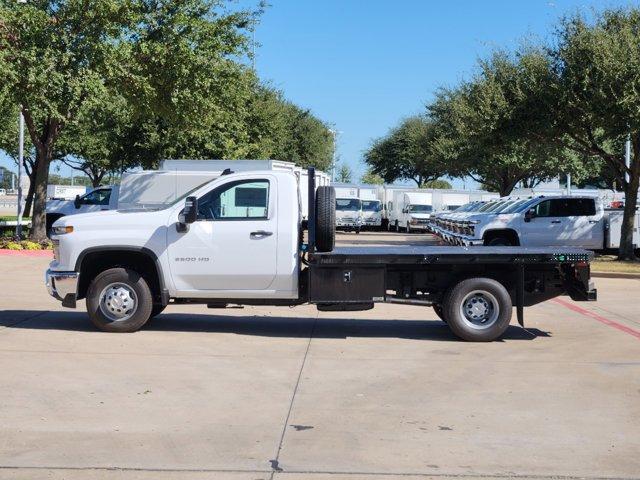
point(63, 286)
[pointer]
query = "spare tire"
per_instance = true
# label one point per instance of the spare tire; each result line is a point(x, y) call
point(325, 219)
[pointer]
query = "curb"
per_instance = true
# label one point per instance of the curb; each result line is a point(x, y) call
point(615, 275)
point(26, 253)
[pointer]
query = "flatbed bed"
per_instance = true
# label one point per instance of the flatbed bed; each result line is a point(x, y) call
point(447, 255)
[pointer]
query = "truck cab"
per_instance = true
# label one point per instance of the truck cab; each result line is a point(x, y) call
point(371, 213)
point(99, 199)
point(349, 213)
point(542, 221)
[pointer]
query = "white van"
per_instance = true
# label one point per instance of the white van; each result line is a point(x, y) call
point(410, 211)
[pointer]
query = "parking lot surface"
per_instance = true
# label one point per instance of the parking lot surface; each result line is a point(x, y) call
point(293, 393)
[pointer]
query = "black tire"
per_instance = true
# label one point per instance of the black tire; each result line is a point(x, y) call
point(157, 309)
point(325, 219)
point(439, 312)
point(490, 292)
point(133, 281)
point(408, 228)
point(358, 230)
point(397, 227)
point(499, 242)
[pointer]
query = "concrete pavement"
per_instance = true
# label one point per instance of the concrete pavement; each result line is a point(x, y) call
point(265, 392)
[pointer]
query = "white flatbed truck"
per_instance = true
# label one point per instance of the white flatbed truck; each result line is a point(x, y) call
point(238, 240)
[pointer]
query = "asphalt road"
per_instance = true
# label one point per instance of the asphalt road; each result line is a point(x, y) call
point(292, 393)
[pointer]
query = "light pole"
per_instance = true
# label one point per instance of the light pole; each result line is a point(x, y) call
point(335, 134)
point(20, 159)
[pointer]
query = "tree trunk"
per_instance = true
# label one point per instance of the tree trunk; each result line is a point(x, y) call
point(29, 199)
point(630, 199)
point(39, 217)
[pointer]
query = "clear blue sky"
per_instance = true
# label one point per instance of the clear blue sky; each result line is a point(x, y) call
point(364, 65)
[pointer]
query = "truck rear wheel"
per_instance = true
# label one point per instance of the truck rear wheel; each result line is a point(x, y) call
point(119, 300)
point(478, 309)
point(325, 219)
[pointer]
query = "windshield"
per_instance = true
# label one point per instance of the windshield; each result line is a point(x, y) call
point(420, 208)
point(515, 207)
point(371, 206)
point(504, 206)
point(490, 206)
point(343, 204)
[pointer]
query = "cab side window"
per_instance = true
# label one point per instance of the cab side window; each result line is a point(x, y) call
point(240, 200)
point(543, 209)
point(566, 207)
point(97, 197)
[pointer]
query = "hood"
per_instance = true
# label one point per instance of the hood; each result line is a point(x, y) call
point(110, 219)
point(421, 216)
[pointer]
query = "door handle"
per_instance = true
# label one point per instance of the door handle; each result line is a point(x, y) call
point(593, 221)
point(260, 234)
point(556, 221)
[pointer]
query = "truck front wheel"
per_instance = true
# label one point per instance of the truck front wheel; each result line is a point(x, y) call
point(119, 300)
point(478, 309)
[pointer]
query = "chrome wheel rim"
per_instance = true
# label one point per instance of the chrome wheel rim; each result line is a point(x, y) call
point(118, 302)
point(479, 309)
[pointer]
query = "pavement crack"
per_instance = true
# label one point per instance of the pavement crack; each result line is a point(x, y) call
point(275, 463)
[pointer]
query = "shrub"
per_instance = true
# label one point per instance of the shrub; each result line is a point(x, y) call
point(14, 246)
point(28, 245)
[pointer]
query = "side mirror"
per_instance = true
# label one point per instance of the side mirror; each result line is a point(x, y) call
point(190, 211)
point(189, 214)
point(405, 210)
point(529, 215)
point(76, 202)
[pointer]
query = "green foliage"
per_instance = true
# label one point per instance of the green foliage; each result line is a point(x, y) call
point(6, 178)
point(439, 183)
point(345, 174)
point(595, 98)
point(407, 152)
point(484, 130)
point(280, 130)
point(370, 178)
point(13, 246)
point(28, 245)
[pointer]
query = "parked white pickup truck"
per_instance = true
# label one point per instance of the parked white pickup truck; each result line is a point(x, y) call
point(561, 221)
point(99, 199)
point(238, 240)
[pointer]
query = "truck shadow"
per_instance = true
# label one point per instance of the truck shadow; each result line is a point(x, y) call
point(293, 327)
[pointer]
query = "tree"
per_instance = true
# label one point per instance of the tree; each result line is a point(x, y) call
point(407, 153)
point(345, 174)
point(483, 133)
point(595, 78)
point(370, 178)
point(439, 184)
point(98, 142)
point(165, 58)
point(280, 130)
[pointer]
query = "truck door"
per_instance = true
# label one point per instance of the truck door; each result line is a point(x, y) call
point(232, 245)
point(564, 222)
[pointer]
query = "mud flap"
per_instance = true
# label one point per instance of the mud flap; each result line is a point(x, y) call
point(520, 294)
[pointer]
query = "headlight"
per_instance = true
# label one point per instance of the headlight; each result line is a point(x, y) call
point(62, 230)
